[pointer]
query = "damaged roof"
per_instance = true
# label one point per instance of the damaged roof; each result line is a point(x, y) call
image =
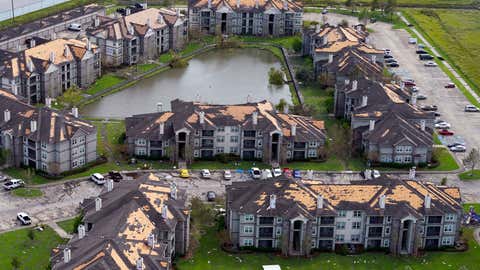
point(297, 197)
point(249, 5)
point(128, 215)
point(187, 115)
point(52, 126)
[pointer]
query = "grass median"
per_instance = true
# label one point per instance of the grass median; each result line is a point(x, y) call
point(27, 192)
point(469, 175)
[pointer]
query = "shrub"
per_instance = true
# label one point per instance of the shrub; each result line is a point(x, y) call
point(31, 234)
point(444, 181)
point(304, 74)
point(297, 45)
point(275, 76)
point(177, 61)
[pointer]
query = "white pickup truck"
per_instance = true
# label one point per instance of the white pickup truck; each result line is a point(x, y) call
point(13, 184)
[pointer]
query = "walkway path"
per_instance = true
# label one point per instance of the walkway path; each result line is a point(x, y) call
point(59, 230)
point(437, 54)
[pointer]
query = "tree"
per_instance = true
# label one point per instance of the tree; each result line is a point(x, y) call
point(390, 7)
point(344, 23)
point(282, 105)
point(374, 5)
point(351, 4)
point(339, 144)
point(297, 45)
point(363, 16)
point(472, 159)
point(275, 76)
point(70, 97)
point(15, 263)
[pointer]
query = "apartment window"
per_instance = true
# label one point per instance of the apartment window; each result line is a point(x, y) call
point(234, 129)
point(389, 219)
point(339, 238)
point(357, 213)
point(196, 142)
point(197, 132)
point(233, 150)
point(386, 242)
point(340, 225)
point(279, 220)
point(312, 144)
point(259, 133)
point(44, 167)
point(248, 229)
point(312, 153)
point(248, 242)
point(387, 230)
point(314, 231)
point(140, 142)
point(234, 139)
point(196, 153)
point(220, 139)
point(221, 129)
point(74, 164)
point(356, 225)
point(313, 243)
point(403, 149)
point(44, 155)
point(342, 213)
point(449, 228)
point(278, 231)
point(44, 145)
point(248, 218)
point(74, 141)
point(447, 241)
point(355, 237)
point(81, 149)
point(219, 150)
point(450, 217)
point(140, 151)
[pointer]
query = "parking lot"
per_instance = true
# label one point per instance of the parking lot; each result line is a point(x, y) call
point(430, 80)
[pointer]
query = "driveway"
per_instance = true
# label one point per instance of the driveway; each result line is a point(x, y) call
point(59, 202)
point(430, 80)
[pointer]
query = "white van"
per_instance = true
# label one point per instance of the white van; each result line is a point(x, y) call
point(75, 27)
point(98, 178)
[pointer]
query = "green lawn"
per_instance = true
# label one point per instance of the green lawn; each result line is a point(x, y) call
point(400, 3)
point(286, 42)
point(69, 224)
point(469, 175)
point(216, 165)
point(210, 256)
point(146, 67)
point(33, 254)
point(27, 192)
point(447, 162)
point(436, 140)
point(331, 164)
point(106, 81)
point(456, 34)
point(476, 207)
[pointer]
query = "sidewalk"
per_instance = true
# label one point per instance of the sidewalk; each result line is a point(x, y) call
point(59, 230)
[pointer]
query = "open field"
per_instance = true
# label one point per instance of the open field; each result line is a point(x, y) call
point(456, 34)
point(32, 254)
point(210, 256)
point(400, 3)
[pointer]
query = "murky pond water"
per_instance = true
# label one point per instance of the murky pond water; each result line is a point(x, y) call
point(221, 76)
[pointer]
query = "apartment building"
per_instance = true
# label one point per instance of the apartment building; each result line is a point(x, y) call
point(47, 69)
point(44, 139)
point(138, 37)
point(138, 224)
point(16, 39)
point(298, 217)
point(242, 17)
point(251, 131)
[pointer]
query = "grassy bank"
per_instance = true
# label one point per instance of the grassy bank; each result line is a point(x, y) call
point(400, 3)
point(456, 35)
point(31, 253)
point(469, 175)
point(209, 255)
point(69, 225)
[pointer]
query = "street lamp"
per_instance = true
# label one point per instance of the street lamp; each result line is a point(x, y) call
point(13, 12)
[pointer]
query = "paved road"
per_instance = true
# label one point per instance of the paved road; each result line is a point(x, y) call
point(431, 80)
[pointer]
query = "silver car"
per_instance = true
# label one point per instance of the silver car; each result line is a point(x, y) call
point(471, 108)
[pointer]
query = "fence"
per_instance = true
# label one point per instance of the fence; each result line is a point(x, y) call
point(24, 6)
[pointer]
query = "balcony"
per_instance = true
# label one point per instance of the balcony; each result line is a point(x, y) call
point(157, 144)
point(265, 232)
point(207, 143)
point(249, 133)
point(266, 220)
point(376, 220)
point(327, 220)
point(433, 231)
point(375, 231)
point(326, 232)
point(434, 220)
point(301, 145)
point(249, 144)
point(207, 133)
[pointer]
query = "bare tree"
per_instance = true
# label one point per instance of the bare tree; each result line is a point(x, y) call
point(472, 159)
point(340, 145)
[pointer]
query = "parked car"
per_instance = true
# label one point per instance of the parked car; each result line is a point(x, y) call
point(206, 174)
point(450, 85)
point(458, 148)
point(387, 51)
point(211, 196)
point(266, 174)
point(297, 174)
point(412, 40)
point(443, 125)
point(287, 172)
point(415, 89)
point(227, 175)
point(276, 172)
point(446, 132)
point(429, 107)
point(387, 56)
point(184, 173)
point(24, 218)
point(375, 174)
point(3, 178)
point(409, 82)
point(75, 27)
point(98, 178)
point(425, 57)
point(324, 11)
point(421, 51)
point(122, 11)
point(437, 114)
point(394, 64)
point(455, 144)
point(256, 173)
point(471, 108)
point(421, 46)
point(115, 176)
point(390, 60)
point(13, 184)
point(421, 97)
point(430, 64)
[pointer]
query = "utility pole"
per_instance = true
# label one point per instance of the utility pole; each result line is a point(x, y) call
point(13, 12)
